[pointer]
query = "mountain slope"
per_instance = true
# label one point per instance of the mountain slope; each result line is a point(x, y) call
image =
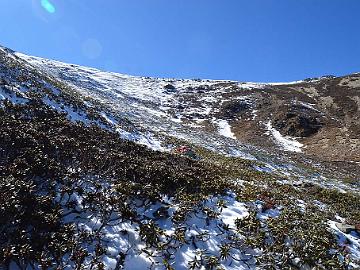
point(92, 175)
point(300, 109)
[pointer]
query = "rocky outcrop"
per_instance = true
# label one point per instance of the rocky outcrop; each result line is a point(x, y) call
point(298, 121)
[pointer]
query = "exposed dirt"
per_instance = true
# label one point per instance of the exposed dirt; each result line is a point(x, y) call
point(323, 114)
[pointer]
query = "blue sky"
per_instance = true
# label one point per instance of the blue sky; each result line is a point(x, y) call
point(253, 40)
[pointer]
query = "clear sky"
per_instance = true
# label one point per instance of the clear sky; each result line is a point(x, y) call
point(253, 40)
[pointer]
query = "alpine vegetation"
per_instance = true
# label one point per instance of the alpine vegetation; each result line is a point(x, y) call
point(100, 170)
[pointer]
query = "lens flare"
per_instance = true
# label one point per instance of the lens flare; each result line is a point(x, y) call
point(48, 6)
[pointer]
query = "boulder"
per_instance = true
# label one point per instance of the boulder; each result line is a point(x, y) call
point(170, 87)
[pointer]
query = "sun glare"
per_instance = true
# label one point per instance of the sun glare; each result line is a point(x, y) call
point(48, 6)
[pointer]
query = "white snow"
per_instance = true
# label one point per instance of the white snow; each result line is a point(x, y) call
point(254, 114)
point(11, 97)
point(209, 99)
point(146, 101)
point(148, 105)
point(147, 139)
point(224, 128)
point(176, 120)
point(111, 121)
point(285, 83)
point(150, 141)
point(270, 213)
point(233, 211)
point(351, 243)
point(266, 168)
point(72, 114)
point(137, 262)
point(309, 106)
point(251, 85)
point(201, 234)
point(286, 142)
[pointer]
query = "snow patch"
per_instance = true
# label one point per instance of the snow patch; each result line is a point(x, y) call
point(351, 242)
point(4, 94)
point(224, 128)
point(72, 114)
point(233, 211)
point(288, 143)
point(233, 152)
point(145, 139)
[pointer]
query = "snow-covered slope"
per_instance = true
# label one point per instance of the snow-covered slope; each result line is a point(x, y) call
point(145, 102)
point(245, 196)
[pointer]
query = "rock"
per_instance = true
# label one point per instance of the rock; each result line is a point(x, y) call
point(170, 87)
point(233, 109)
point(298, 183)
point(308, 185)
point(298, 121)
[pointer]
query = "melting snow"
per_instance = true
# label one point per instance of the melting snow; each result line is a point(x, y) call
point(233, 152)
point(224, 128)
point(233, 211)
point(350, 241)
point(285, 83)
point(12, 98)
point(72, 114)
point(287, 142)
point(202, 234)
